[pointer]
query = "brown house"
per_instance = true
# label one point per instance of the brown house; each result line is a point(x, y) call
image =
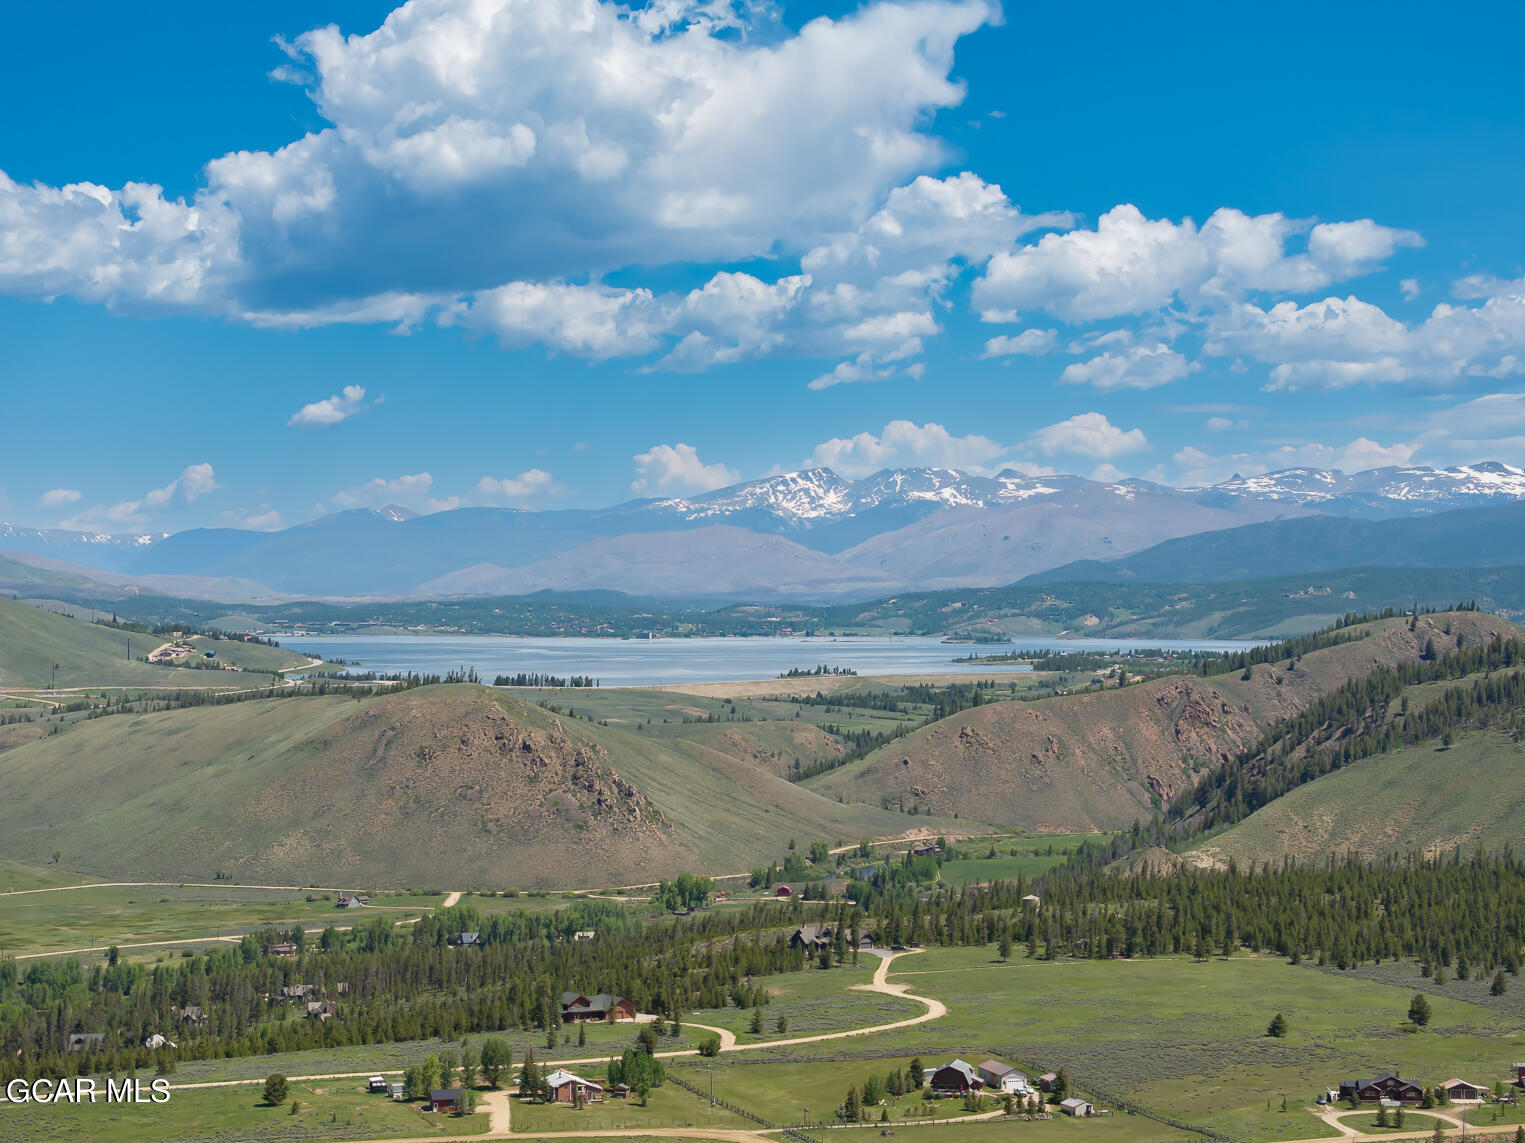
point(578, 1008)
point(321, 1009)
point(281, 948)
point(956, 1078)
point(1385, 1086)
point(564, 1086)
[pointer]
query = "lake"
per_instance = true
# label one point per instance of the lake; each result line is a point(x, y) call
point(653, 662)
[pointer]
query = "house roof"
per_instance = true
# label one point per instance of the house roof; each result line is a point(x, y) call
point(961, 1066)
point(1073, 1101)
point(446, 1094)
point(599, 1003)
point(1458, 1083)
point(561, 1077)
point(997, 1068)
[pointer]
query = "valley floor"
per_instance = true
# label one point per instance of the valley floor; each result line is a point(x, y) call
point(1155, 1042)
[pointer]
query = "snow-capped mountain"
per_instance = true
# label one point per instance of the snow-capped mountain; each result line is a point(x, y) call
point(897, 528)
point(819, 494)
point(1392, 491)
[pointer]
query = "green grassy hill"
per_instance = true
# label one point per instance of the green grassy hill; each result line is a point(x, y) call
point(1101, 760)
point(456, 785)
point(1421, 798)
point(91, 655)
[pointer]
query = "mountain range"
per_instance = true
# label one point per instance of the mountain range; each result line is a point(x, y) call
point(804, 535)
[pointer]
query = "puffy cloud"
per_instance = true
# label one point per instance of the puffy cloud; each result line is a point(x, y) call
point(677, 469)
point(1196, 468)
point(55, 497)
point(194, 482)
point(263, 519)
point(1340, 342)
point(476, 143)
point(1137, 367)
point(852, 372)
point(1130, 264)
point(1223, 424)
point(1409, 287)
point(413, 491)
point(589, 321)
point(1030, 343)
point(330, 411)
point(904, 443)
point(1090, 435)
point(130, 248)
point(527, 485)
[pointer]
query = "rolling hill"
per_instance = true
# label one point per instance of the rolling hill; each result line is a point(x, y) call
point(1422, 798)
point(1467, 537)
point(92, 655)
point(1101, 760)
point(453, 784)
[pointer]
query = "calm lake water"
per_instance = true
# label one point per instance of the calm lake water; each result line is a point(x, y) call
point(653, 662)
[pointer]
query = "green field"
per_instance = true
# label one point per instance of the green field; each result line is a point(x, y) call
point(667, 1106)
point(330, 1110)
point(1187, 1039)
point(67, 919)
point(813, 1001)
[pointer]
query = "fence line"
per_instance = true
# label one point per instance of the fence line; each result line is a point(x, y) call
point(717, 1101)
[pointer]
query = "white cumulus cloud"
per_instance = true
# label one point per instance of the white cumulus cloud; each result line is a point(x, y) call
point(1137, 367)
point(513, 489)
point(412, 491)
point(667, 469)
point(1090, 435)
point(331, 410)
point(55, 497)
point(902, 444)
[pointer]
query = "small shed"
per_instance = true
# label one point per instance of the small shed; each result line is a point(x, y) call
point(1077, 1107)
point(377, 1085)
point(783, 892)
point(444, 1098)
point(1031, 901)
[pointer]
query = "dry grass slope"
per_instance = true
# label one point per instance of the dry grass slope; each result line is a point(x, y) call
point(1100, 760)
point(441, 785)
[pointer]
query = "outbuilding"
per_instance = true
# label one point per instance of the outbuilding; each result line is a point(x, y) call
point(444, 1098)
point(1077, 1107)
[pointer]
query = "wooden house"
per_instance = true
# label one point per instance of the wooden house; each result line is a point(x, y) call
point(564, 1087)
point(1077, 1107)
point(955, 1078)
point(1388, 1085)
point(579, 1008)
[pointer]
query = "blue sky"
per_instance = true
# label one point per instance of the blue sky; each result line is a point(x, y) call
point(571, 254)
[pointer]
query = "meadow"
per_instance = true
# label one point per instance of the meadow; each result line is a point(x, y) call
point(326, 1110)
point(67, 919)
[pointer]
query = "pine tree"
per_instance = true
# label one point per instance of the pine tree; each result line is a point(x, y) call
point(1277, 1027)
point(1498, 987)
point(275, 1089)
point(1419, 1010)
